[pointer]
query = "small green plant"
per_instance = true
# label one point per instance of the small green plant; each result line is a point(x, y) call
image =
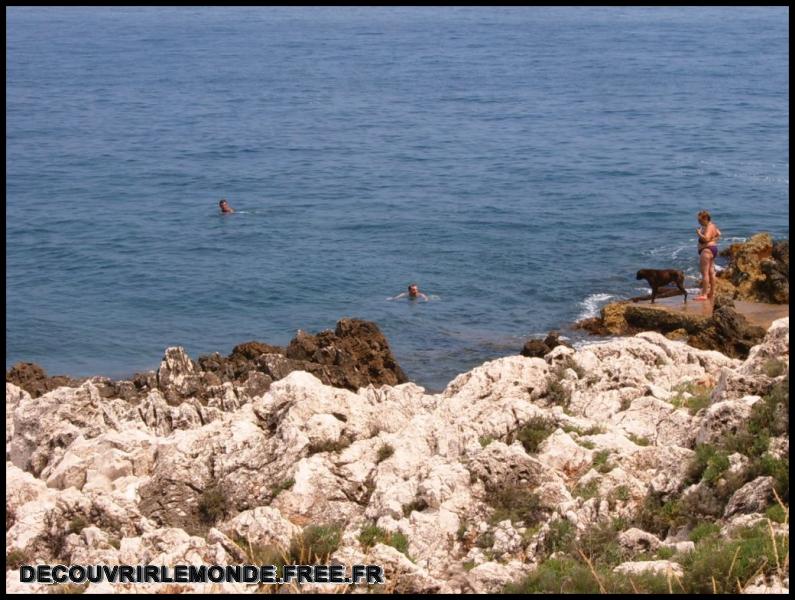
point(586, 444)
point(560, 536)
point(708, 464)
point(515, 503)
point(384, 452)
point(281, 486)
point(267, 554)
point(664, 553)
point(485, 440)
point(469, 565)
point(212, 504)
point(558, 394)
point(462, 531)
point(115, 542)
point(330, 445)
point(371, 535)
point(77, 524)
point(485, 540)
point(717, 564)
point(776, 513)
point(600, 461)
point(774, 367)
point(638, 439)
point(692, 396)
point(621, 493)
point(532, 433)
point(593, 430)
point(586, 491)
point(315, 544)
point(703, 531)
point(16, 558)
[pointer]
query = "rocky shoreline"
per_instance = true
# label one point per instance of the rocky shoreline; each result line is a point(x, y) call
point(636, 464)
point(758, 272)
point(640, 455)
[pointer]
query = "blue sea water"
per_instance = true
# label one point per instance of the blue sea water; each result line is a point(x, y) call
point(519, 163)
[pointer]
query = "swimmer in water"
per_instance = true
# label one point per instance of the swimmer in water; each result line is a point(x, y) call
point(225, 208)
point(413, 293)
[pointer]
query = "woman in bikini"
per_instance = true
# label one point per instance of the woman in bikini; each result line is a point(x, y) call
point(708, 235)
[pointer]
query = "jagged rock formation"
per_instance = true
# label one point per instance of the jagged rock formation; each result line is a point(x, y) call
point(540, 348)
point(355, 355)
point(479, 481)
point(33, 379)
point(758, 270)
point(726, 330)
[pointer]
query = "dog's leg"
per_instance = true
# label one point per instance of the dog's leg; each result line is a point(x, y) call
point(681, 285)
point(653, 294)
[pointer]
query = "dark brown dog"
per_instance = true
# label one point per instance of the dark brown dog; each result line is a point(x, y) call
point(660, 277)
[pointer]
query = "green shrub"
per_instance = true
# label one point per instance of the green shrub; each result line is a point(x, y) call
point(516, 503)
point(16, 558)
point(485, 540)
point(532, 433)
point(569, 576)
point(558, 394)
point(600, 461)
point(371, 535)
point(725, 562)
point(212, 504)
point(776, 513)
point(569, 363)
point(560, 537)
point(586, 444)
point(330, 446)
point(593, 430)
point(280, 487)
point(586, 490)
point(77, 524)
point(664, 553)
point(315, 544)
point(708, 464)
point(620, 492)
point(774, 367)
point(384, 452)
point(263, 554)
point(699, 396)
point(485, 440)
point(702, 531)
point(638, 439)
point(657, 517)
point(777, 468)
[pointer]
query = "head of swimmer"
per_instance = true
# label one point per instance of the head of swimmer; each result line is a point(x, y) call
point(414, 290)
point(224, 205)
point(704, 217)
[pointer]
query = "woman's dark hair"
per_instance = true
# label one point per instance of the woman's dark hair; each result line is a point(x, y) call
point(704, 215)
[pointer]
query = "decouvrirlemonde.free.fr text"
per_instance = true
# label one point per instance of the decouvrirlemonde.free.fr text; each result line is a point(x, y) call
point(261, 574)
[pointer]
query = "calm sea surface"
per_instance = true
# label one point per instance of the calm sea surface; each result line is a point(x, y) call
point(520, 164)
